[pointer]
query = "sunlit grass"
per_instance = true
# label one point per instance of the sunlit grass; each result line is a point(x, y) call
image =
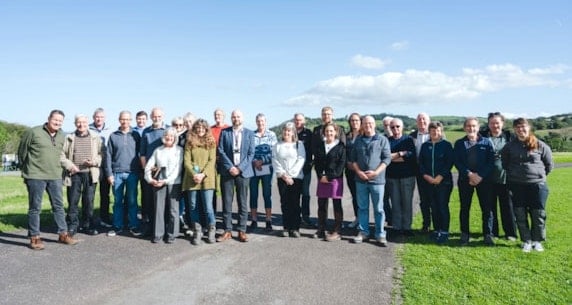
point(493, 275)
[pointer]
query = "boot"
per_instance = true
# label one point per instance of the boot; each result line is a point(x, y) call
point(211, 234)
point(65, 238)
point(36, 243)
point(335, 235)
point(198, 234)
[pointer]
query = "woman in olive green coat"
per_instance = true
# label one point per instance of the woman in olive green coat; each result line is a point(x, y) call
point(199, 178)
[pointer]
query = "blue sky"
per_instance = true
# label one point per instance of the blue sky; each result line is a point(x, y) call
point(281, 57)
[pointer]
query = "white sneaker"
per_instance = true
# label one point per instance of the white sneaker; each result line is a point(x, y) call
point(353, 224)
point(527, 247)
point(537, 246)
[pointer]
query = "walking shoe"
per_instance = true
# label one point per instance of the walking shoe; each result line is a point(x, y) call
point(382, 241)
point(91, 232)
point(36, 243)
point(443, 238)
point(489, 241)
point(64, 238)
point(333, 236)
point(526, 247)
point(353, 224)
point(211, 234)
point(319, 234)
point(510, 238)
point(224, 237)
point(359, 238)
point(408, 233)
point(197, 238)
point(295, 233)
point(435, 236)
point(134, 231)
point(268, 226)
point(425, 229)
point(537, 246)
point(464, 239)
point(306, 222)
point(242, 237)
point(105, 224)
point(284, 233)
point(170, 240)
point(112, 233)
point(156, 239)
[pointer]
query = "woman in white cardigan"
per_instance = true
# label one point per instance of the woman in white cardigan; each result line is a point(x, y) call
point(288, 157)
point(163, 171)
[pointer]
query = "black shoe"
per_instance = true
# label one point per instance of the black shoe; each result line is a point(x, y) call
point(253, 226)
point(306, 222)
point(268, 226)
point(92, 232)
point(408, 233)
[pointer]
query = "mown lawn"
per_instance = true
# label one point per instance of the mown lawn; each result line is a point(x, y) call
point(493, 275)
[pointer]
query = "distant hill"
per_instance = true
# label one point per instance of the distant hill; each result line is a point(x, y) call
point(555, 130)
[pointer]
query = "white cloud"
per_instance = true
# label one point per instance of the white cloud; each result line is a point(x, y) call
point(423, 86)
point(400, 45)
point(368, 62)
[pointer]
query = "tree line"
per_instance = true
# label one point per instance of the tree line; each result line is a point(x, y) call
point(555, 130)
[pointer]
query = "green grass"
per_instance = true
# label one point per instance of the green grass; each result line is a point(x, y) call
point(493, 275)
point(562, 157)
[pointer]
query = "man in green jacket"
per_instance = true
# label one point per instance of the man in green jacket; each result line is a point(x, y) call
point(39, 153)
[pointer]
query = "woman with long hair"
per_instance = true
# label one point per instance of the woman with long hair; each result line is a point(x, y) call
point(199, 179)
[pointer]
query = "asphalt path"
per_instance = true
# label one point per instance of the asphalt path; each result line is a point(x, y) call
point(266, 270)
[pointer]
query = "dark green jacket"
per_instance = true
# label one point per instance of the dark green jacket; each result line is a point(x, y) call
point(39, 154)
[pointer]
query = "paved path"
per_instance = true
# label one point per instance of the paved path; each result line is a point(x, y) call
point(266, 270)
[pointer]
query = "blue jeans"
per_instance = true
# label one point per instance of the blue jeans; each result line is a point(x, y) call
point(36, 188)
point(266, 190)
point(365, 191)
point(82, 186)
point(401, 194)
point(125, 184)
point(206, 201)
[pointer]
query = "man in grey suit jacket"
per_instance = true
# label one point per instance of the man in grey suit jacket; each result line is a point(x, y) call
point(236, 153)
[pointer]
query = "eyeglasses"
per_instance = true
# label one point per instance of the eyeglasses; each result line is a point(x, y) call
point(178, 125)
point(395, 126)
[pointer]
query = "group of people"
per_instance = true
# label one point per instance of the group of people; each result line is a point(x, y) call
point(180, 168)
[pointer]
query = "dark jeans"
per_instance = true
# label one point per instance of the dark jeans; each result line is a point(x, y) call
point(81, 186)
point(500, 192)
point(424, 202)
point(466, 196)
point(36, 190)
point(530, 199)
point(104, 188)
point(387, 206)
point(439, 196)
point(306, 194)
point(290, 203)
point(351, 181)
point(228, 185)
